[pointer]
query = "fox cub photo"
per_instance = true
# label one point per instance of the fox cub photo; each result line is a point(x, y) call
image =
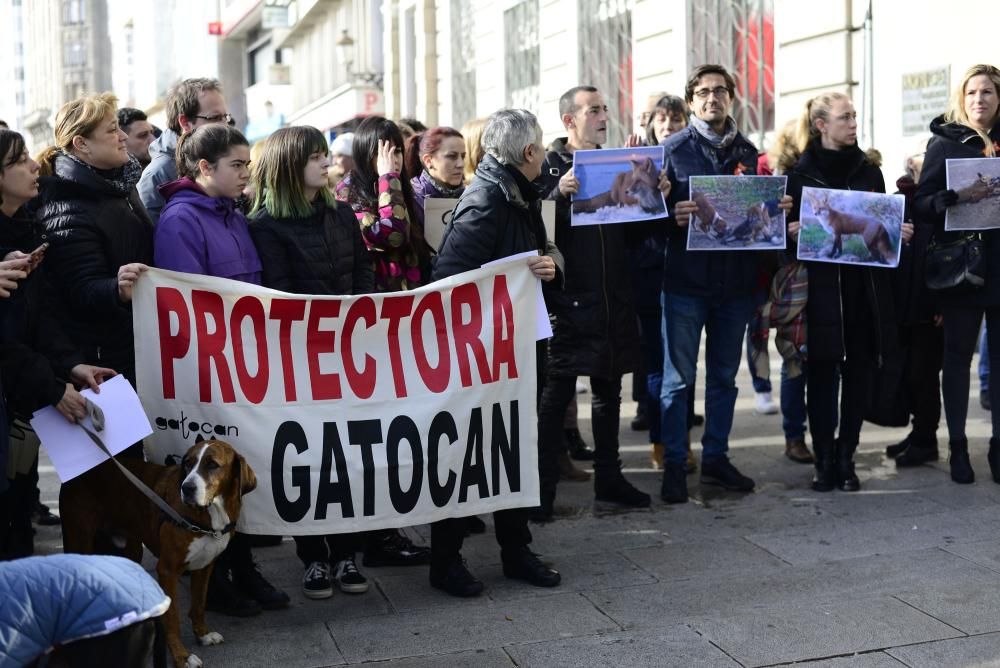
point(737, 213)
point(850, 227)
point(618, 185)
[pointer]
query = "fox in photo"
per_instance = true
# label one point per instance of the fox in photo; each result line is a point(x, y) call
point(639, 186)
point(841, 223)
point(756, 226)
point(983, 187)
point(707, 219)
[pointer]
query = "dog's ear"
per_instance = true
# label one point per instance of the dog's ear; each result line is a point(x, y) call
point(247, 479)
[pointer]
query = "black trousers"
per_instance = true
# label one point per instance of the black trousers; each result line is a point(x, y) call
point(923, 376)
point(961, 333)
point(605, 410)
point(511, 526)
point(329, 549)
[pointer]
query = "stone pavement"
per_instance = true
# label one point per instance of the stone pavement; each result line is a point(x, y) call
point(904, 573)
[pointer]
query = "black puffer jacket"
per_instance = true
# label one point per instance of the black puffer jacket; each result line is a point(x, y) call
point(94, 229)
point(596, 330)
point(498, 215)
point(950, 141)
point(37, 372)
point(715, 274)
point(828, 310)
point(323, 254)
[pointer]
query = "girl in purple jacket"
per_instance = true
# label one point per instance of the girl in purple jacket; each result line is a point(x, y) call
point(201, 230)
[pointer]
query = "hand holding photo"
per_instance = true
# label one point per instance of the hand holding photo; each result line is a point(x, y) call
point(618, 185)
point(850, 227)
point(737, 213)
point(977, 183)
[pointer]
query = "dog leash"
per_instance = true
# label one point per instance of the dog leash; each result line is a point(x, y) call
point(96, 416)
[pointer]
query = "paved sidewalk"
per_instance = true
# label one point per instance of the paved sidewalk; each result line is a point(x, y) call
point(904, 573)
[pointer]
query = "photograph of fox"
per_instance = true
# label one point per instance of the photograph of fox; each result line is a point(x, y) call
point(850, 227)
point(737, 213)
point(976, 181)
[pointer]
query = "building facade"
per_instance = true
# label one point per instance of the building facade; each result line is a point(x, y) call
point(66, 52)
point(448, 61)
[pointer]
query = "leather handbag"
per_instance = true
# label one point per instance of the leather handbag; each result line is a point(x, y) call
point(958, 265)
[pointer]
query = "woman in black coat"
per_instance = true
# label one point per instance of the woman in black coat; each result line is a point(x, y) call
point(970, 129)
point(101, 237)
point(849, 313)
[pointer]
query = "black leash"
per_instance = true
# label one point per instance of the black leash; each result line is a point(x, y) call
point(96, 416)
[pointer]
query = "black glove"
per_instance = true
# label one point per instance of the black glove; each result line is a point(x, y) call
point(943, 199)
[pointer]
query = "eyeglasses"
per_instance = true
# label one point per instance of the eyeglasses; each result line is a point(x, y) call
point(218, 118)
point(718, 91)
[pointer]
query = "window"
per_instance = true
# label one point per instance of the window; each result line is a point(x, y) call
point(74, 54)
point(72, 12)
point(739, 34)
point(606, 61)
point(522, 74)
point(463, 58)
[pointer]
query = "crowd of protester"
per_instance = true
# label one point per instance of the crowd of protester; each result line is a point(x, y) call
point(112, 196)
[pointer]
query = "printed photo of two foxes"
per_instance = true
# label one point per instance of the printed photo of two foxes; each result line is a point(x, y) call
point(850, 227)
point(737, 213)
point(618, 186)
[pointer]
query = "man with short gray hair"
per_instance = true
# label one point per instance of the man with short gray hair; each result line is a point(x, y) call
point(497, 216)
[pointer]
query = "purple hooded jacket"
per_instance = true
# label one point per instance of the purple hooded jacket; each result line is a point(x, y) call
point(204, 235)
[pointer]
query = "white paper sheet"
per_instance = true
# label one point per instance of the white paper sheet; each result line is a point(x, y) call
point(68, 446)
point(543, 328)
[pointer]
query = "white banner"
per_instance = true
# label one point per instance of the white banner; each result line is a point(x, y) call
point(356, 413)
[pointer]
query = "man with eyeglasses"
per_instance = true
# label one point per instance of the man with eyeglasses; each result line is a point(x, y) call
point(704, 290)
point(190, 104)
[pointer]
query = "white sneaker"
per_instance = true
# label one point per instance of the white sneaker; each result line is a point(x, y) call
point(581, 387)
point(763, 404)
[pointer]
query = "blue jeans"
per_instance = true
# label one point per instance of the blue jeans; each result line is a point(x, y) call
point(725, 323)
point(984, 362)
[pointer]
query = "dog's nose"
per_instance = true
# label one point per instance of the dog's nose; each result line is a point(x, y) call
point(188, 489)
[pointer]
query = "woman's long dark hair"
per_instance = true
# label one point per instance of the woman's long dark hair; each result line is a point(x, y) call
point(11, 149)
point(364, 176)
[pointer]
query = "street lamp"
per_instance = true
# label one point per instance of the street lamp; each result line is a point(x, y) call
point(345, 51)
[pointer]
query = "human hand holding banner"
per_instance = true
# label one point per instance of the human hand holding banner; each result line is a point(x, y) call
point(359, 412)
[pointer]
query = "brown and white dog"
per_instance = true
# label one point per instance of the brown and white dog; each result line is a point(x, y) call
point(206, 489)
point(640, 185)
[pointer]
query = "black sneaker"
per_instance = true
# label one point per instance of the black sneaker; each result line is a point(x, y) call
point(640, 422)
point(721, 472)
point(349, 578)
point(316, 583)
point(252, 582)
point(224, 597)
point(456, 579)
point(393, 548)
point(523, 564)
point(896, 449)
point(578, 448)
point(621, 492)
point(674, 488)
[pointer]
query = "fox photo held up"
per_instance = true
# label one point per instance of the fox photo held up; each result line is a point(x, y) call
point(618, 185)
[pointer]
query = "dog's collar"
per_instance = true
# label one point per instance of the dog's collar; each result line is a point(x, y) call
point(193, 527)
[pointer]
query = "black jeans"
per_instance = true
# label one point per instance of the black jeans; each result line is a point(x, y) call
point(511, 526)
point(329, 549)
point(822, 384)
point(961, 333)
point(923, 376)
point(605, 409)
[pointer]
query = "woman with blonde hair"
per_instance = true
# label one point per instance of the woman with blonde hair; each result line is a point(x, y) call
point(101, 237)
point(970, 129)
point(472, 132)
point(849, 311)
